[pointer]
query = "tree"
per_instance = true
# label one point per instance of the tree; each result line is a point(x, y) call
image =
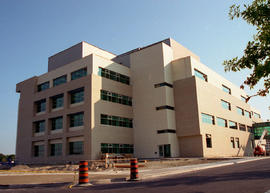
point(257, 52)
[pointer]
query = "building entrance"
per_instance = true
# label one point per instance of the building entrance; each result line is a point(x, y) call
point(165, 150)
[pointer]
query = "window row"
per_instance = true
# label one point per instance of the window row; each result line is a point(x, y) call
point(113, 75)
point(56, 149)
point(226, 105)
point(243, 112)
point(56, 123)
point(62, 79)
point(115, 121)
point(76, 96)
point(210, 119)
point(226, 89)
point(116, 98)
point(235, 143)
point(117, 148)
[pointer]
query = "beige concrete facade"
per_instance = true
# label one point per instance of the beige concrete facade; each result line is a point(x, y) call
point(164, 120)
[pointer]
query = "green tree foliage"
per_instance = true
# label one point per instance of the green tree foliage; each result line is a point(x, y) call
point(257, 52)
point(5, 158)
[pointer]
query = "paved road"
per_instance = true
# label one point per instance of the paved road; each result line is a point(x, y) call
point(251, 177)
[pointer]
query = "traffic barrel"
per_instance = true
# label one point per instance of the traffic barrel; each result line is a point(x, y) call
point(83, 173)
point(134, 172)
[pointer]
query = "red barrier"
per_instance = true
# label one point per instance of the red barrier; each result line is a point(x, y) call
point(83, 173)
point(134, 172)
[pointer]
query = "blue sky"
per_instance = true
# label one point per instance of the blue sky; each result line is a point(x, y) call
point(33, 30)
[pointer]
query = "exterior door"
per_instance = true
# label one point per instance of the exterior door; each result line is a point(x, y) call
point(164, 150)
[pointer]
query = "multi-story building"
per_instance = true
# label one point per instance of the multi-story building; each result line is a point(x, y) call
point(155, 101)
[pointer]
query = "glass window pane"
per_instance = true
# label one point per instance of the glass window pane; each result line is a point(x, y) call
point(76, 120)
point(221, 122)
point(207, 119)
point(43, 86)
point(78, 74)
point(60, 80)
point(226, 89)
point(200, 75)
point(77, 96)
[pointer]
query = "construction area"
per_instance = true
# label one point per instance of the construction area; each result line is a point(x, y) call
point(117, 171)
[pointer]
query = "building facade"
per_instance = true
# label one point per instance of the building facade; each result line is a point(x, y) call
point(151, 102)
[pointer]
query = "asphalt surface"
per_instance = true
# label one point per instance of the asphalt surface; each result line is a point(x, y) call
point(250, 177)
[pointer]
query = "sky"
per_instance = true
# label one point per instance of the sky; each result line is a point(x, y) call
point(33, 30)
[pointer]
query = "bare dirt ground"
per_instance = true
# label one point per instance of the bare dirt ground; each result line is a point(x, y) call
point(38, 174)
point(100, 166)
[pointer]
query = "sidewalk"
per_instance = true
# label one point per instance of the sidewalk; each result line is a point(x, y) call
point(111, 176)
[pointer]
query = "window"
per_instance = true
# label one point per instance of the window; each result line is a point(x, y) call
point(115, 121)
point(257, 115)
point(57, 101)
point(243, 99)
point(41, 106)
point(43, 86)
point(166, 131)
point(113, 75)
point(232, 142)
point(57, 123)
point(247, 114)
point(225, 105)
point(38, 150)
point(237, 142)
point(77, 96)
point(209, 119)
point(78, 74)
point(117, 148)
point(249, 128)
point(259, 129)
point(208, 141)
point(242, 127)
point(221, 122)
point(163, 84)
point(76, 120)
point(200, 75)
point(39, 126)
point(76, 148)
point(60, 80)
point(116, 98)
point(226, 89)
point(165, 107)
point(240, 111)
point(56, 149)
point(232, 125)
